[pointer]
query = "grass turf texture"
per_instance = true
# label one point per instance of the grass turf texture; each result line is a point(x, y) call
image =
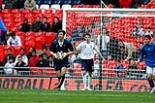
point(47, 96)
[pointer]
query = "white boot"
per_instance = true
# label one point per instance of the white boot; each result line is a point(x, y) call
point(153, 90)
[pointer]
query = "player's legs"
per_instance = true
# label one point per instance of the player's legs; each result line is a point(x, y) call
point(84, 77)
point(149, 71)
point(89, 80)
point(64, 68)
point(84, 73)
point(153, 77)
point(87, 69)
point(62, 76)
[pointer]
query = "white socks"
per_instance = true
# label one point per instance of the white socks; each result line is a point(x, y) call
point(87, 80)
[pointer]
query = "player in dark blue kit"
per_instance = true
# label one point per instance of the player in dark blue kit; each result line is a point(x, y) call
point(61, 49)
point(147, 52)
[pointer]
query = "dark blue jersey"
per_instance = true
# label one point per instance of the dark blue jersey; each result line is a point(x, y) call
point(148, 53)
point(66, 46)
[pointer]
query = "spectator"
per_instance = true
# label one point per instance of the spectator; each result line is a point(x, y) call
point(131, 68)
point(57, 25)
point(37, 25)
point(9, 56)
point(46, 50)
point(14, 40)
point(149, 31)
point(8, 34)
point(105, 40)
point(9, 66)
point(10, 4)
point(117, 49)
point(20, 63)
point(43, 62)
point(25, 26)
point(30, 4)
point(23, 55)
point(138, 31)
point(31, 50)
point(119, 69)
point(46, 25)
point(33, 60)
point(19, 4)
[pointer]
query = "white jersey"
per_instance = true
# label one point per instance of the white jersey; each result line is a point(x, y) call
point(87, 50)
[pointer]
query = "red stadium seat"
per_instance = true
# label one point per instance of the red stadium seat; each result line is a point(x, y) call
point(2, 52)
point(39, 40)
point(49, 11)
point(26, 11)
point(50, 36)
point(22, 36)
point(6, 11)
point(17, 50)
point(15, 11)
point(29, 41)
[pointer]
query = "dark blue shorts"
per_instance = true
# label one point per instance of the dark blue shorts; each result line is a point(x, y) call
point(59, 64)
point(87, 65)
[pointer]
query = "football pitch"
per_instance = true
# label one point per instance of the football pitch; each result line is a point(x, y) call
point(49, 96)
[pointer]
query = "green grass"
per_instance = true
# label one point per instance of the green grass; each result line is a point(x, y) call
point(47, 96)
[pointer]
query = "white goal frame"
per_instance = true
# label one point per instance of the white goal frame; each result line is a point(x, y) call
point(108, 10)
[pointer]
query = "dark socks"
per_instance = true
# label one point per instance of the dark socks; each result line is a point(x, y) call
point(62, 78)
point(151, 83)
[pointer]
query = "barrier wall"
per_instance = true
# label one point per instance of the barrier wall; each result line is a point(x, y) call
point(72, 84)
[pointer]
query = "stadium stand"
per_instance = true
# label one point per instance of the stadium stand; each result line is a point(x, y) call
point(13, 18)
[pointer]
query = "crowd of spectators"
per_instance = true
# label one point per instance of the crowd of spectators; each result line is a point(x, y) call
point(33, 58)
point(41, 25)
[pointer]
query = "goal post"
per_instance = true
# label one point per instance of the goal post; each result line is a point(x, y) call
point(118, 34)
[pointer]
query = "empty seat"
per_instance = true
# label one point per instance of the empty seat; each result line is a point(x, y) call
point(50, 36)
point(66, 6)
point(2, 49)
point(29, 40)
point(39, 40)
point(55, 6)
point(44, 6)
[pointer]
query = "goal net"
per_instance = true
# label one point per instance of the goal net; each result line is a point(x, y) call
point(118, 33)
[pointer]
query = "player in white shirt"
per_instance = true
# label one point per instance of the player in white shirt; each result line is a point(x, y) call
point(86, 50)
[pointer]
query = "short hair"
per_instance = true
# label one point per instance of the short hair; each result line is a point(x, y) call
point(63, 31)
point(148, 37)
point(12, 34)
point(87, 34)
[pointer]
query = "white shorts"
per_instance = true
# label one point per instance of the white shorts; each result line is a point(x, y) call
point(150, 70)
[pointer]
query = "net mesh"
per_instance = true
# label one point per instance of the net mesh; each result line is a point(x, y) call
point(119, 36)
